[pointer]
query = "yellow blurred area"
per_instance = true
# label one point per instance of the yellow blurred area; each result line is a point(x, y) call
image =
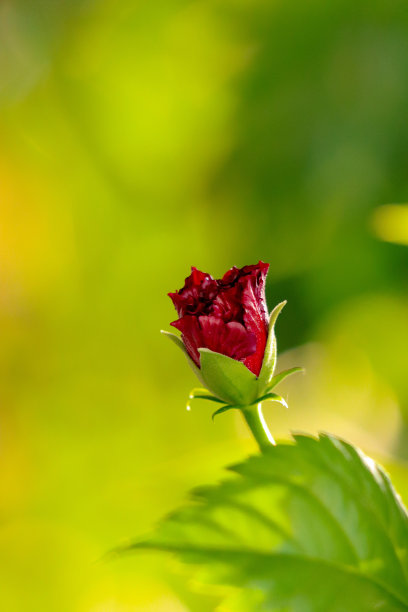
point(136, 140)
point(390, 222)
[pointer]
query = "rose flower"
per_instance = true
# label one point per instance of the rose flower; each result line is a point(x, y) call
point(230, 343)
point(227, 316)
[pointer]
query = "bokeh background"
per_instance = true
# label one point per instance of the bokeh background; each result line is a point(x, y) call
point(138, 139)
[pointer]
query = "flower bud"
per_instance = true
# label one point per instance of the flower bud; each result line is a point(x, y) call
point(226, 332)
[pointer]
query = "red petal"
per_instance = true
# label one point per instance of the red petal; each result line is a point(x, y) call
point(256, 321)
point(230, 276)
point(197, 294)
point(228, 304)
point(257, 272)
point(191, 336)
point(231, 339)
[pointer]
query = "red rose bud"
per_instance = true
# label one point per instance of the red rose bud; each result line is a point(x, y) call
point(228, 337)
point(230, 343)
point(227, 316)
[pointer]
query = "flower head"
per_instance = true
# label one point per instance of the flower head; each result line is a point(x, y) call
point(230, 342)
point(227, 316)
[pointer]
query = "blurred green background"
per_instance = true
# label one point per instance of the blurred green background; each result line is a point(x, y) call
point(138, 139)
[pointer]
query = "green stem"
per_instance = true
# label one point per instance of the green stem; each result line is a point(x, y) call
point(257, 424)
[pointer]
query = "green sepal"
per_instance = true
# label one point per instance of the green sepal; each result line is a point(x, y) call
point(230, 381)
point(223, 409)
point(282, 375)
point(178, 342)
point(272, 397)
point(205, 395)
point(228, 378)
point(269, 360)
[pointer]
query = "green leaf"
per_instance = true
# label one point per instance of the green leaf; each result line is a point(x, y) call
point(269, 360)
point(282, 375)
point(227, 378)
point(309, 526)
